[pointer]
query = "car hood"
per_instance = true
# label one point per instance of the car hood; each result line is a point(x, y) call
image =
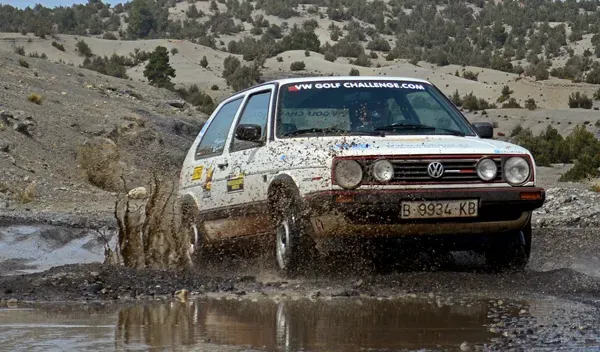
point(401, 145)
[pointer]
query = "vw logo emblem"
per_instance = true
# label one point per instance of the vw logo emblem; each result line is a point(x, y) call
point(435, 169)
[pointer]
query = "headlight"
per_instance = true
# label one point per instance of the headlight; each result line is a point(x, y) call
point(348, 174)
point(516, 170)
point(487, 169)
point(383, 170)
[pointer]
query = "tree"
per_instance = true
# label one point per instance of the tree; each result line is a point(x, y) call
point(83, 49)
point(146, 17)
point(530, 104)
point(158, 70)
point(204, 62)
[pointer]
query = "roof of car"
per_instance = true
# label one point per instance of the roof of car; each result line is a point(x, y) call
point(346, 78)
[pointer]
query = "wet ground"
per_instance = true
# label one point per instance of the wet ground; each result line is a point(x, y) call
point(243, 305)
point(231, 323)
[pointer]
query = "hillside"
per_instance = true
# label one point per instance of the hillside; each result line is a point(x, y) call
point(542, 52)
point(128, 126)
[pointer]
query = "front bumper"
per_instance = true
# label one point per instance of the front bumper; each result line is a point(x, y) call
point(377, 212)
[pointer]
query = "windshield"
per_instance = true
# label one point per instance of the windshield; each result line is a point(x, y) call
point(366, 108)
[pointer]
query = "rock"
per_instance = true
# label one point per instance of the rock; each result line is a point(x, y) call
point(23, 127)
point(465, 346)
point(138, 193)
point(180, 104)
point(4, 146)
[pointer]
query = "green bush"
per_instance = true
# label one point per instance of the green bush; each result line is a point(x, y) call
point(297, 66)
point(83, 49)
point(530, 104)
point(58, 46)
point(23, 63)
point(580, 100)
point(198, 98)
point(580, 147)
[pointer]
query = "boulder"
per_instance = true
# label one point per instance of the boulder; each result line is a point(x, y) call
point(180, 104)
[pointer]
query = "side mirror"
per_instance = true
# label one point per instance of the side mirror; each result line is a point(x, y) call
point(251, 133)
point(484, 129)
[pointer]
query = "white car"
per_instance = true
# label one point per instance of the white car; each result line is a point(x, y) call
point(312, 162)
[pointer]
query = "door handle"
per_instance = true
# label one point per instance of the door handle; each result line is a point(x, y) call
point(223, 165)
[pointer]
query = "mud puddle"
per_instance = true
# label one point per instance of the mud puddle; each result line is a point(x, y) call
point(266, 324)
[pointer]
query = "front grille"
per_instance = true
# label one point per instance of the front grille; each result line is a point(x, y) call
point(455, 170)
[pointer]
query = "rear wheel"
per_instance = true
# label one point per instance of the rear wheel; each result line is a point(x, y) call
point(512, 251)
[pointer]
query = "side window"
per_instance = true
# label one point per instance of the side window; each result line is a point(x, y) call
point(213, 141)
point(429, 111)
point(255, 112)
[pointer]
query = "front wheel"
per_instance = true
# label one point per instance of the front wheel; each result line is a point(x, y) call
point(192, 228)
point(292, 249)
point(512, 251)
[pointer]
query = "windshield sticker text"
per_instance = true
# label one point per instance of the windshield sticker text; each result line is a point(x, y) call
point(334, 85)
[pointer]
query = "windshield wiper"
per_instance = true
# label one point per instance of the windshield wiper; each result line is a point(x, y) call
point(336, 131)
point(416, 126)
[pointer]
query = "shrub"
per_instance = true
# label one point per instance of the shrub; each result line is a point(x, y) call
point(530, 104)
point(204, 62)
point(306, 53)
point(297, 66)
point(113, 66)
point(214, 87)
point(329, 56)
point(109, 36)
point(35, 98)
point(379, 44)
point(197, 98)
point(579, 100)
point(20, 50)
point(83, 49)
point(470, 75)
point(37, 56)
point(362, 60)
point(511, 104)
point(279, 59)
point(354, 72)
point(23, 63)
point(597, 94)
point(471, 102)
point(174, 51)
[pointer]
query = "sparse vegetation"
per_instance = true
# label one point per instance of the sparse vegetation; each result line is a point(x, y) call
point(550, 147)
point(35, 98)
point(354, 72)
point(197, 98)
point(174, 51)
point(58, 46)
point(83, 49)
point(239, 76)
point(530, 104)
point(580, 100)
point(297, 66)
point(37, 56)
point(23, 63)
point(19, 50)
point(473, 76)
point(114, 66)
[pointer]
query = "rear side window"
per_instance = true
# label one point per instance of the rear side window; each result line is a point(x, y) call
point(213, 141)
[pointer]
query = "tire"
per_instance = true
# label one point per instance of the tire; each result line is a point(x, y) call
point(292, 245)
point(512, 251)
point(192, 225)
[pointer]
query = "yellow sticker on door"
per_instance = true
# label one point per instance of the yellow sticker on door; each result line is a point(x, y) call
point(197, 173)
point(235, 184)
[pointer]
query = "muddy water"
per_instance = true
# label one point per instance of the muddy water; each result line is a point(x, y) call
point(212, 324)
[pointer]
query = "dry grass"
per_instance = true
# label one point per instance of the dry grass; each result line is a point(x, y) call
point(35, 98)
point(595, 187)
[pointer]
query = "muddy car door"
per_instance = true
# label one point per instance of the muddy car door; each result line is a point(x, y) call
point(207, 167)
point(246, 186)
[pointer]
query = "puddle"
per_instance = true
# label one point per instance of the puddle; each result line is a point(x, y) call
point(211, 324)
point(28, 249)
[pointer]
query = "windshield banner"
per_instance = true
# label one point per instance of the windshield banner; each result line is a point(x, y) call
point(357, 84)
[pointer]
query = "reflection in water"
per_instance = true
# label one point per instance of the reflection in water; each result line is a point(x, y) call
point(292, 325)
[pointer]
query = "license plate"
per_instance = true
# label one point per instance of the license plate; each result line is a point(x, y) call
point(439, 209)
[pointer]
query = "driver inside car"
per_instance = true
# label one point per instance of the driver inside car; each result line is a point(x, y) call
point(372, 114)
